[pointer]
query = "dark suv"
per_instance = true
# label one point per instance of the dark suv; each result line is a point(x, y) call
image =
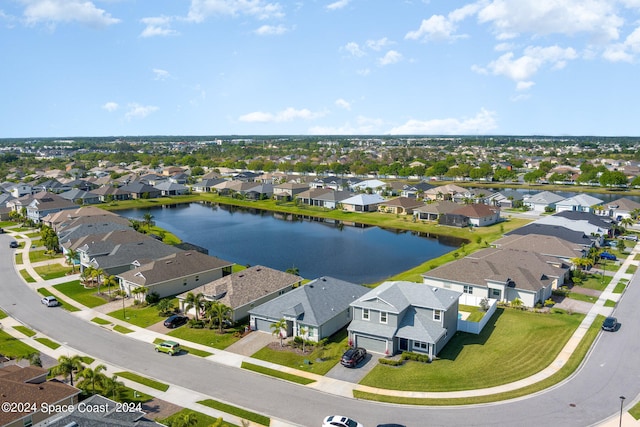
point(175, 320)
point(353, 356)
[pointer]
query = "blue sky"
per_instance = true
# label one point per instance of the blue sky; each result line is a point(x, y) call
point(345, 67)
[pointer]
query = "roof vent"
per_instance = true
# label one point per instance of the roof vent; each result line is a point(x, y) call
point(324, 280)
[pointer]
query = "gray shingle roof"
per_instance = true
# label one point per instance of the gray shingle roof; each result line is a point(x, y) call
point(396, 296)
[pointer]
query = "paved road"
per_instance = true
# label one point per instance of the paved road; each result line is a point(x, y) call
point(591, 396)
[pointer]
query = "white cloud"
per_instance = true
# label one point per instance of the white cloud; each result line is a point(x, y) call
point(523, 68)
point(378, 44)
point(161, 74)
point(524, 85)
point(437, 27)
point(363, 126)
point(271, 30)
point(110, 106)
point(202, 9)
point(338, 4)
point(137, 111)
point(364, 72)
point(158, 26)
point(483, 122)
point(624, 52)
point(391, 57)
point(353, 49)
point(596, 18)
point(54, 11)
point(286, 115)
point(343, 104)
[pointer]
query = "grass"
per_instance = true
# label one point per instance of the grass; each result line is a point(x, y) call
point(143, 380)
point(189, 350)
point(596, 282)
point(100, 321)
point(508, 340)
point(87, 360)
point(609, 303)
point(52, 271)
point(45, 292)
point(24, 330)
point(3, 315)
point(46, 341)
point(475, 313)
point(619, 287)
point(637, 257)
point(26, 276)
point(276, 374)
point(635, 411)
point(77, 292)
point(13, 348)
point(572, 364)
point(582, 297)
point(140, 316)
point(205, 336)
point(42, 255)
point(632, 269)
point(238, 412)
point(329, 355)
point(122, 329)
point(202, 420)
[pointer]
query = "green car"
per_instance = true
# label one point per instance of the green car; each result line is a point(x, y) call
point(170, 347)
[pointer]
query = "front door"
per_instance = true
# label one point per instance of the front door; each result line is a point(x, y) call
point(403, 344)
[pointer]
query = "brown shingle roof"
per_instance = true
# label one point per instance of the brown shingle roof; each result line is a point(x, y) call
point(476, 210)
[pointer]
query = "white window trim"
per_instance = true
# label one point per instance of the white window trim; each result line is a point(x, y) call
point(366, 314)
point(437, 315)
point(386, 317)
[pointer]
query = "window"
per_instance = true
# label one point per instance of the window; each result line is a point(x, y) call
point(495, 293)
point(383, 317)
point(420, 345)
point(468, 289)
point(365, 314)
point(437, 315)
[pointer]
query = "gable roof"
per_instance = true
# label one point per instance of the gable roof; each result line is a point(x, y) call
point(544, 197)
point(553, 230)
point(364, 200)
point(545, 245)
point(476, 210)
point(404, 202)
point(581, 200)
point(396, 296)
point(314, 303)
point(440, 207)
point(243, 287)
point(624, 204)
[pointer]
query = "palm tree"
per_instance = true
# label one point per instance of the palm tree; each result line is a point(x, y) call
point(185, 420)
point(218, 312)
point(67, 365)
point(112, 386)
point(303, 332)
point(98, 273)
point(86, 275)
point(194, 301)
point(123, 294)
point(293, 270)
point(71, 258)
point(277, 329)
point(140, 290)
point(147, 220)
point(93, 376)
point(110, 281)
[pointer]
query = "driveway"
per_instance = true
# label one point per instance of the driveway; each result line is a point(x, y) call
point(251, 343)
point(354, 375)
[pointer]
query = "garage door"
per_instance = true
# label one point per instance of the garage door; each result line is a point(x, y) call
point(371, 344)
point(263, 325)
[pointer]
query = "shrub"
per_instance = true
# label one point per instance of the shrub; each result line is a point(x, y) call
point(484, 304)
point(152, 298)
point(416, 357)
point(391, 362)
point(549, 303)
point(196, 324)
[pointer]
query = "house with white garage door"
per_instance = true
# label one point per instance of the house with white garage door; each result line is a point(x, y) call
point(404, 316)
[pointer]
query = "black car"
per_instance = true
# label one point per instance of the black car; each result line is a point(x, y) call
point(353, 356)
point(13, 244)
point(610, 324)
point(175, 320)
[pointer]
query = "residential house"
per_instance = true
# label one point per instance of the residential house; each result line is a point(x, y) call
point(370, 186)
point(331, 199)
point(332, 182)
point(45, 203)
point(168, 188)
point(108, 193)
point(181, 271)
point(206, 185)
point(552, 246)
point(416, 190)
point(310, 196)
point(506, 199)
point(400, 206)
point(29, 389)
point(577, 237)
point(404, 316)
point(502, 274)
point(246, 289)
point(17, 190)
point(314, 311)
point(477, 215)
point(50, 185)
point(622, 208)
point(539, 202)
point(288, 191)
point(80, 197)
point(246, 176)
point(580, 202)
point(443, 192)
point(362, 203)
point(141, 190)
point(259, 191)
point(433, 211)
point(588, 223)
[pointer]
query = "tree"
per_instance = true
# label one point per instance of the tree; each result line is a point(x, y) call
point(185, 419)
point(147, 220)
point(293, 270)
point(303, 334)
point(140, 292)
point(123, 294)
point(165, 307)
point(218, 313)
point(71, 257)
point(110, 281)
point(98, 273)
point(49, 238)
point(87, 275)
point(277, 329)
point(194, 301)
point(92, 377)
point(112, 387)
point(67, 365)
point(613, 179)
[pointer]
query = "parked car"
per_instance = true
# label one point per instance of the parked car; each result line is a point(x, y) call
point(170, 347)
point(175, 320)
point(13, 244)
point(609, 256)
point(391, 425)
point(50, 301)
point(353, 356)
point(633, 237)
point(610, 324)
point(340, 421)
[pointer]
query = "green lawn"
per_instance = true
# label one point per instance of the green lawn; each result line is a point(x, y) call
point(188, 350)
point(508, 341)
point(330, 354)
point(122, 329)
point(619, 287)
point(3, 315)
point(26, 276)
point(202, 420)
point(631, 269)
point(46, 341)
point(143, 380)
point(24, 330)
point(596, 282)
point(42, 255)
point(635, 411)
point(475, 313)
point(13, 348)
point(52, 271)
point(63, 303)
point(609, 303)
point(205, 336)
point(582, 297)
point(100, 321)
point(238, 412)
point(76, 291)
point(139, 316)
point(276, 374)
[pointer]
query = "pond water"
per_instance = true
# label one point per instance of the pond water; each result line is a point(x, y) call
point(358, 254)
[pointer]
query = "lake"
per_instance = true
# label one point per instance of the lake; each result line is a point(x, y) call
point(357, 254)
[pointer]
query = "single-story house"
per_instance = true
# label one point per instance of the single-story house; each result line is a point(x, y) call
point(168, 188)
point(443, 192)
point(477, 215)
point(506, 198)
point(404, 316)
point(310, 196)
point(141, 190)
point(579, 202)
point(206, 185)
point(362, 203)
point(540, 201)
point(182, 271)
point(622, 208)
point(319, 309)
point(246, 289)
point(416, 190)
point(400, 205)
point(433, 211)
point(288, 190)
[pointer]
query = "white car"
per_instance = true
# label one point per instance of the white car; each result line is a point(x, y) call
point(340, 421)
point(50, 301)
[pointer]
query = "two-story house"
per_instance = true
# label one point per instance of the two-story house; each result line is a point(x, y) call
point(404, 316)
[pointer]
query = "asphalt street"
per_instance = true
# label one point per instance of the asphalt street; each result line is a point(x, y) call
point(588, 398)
